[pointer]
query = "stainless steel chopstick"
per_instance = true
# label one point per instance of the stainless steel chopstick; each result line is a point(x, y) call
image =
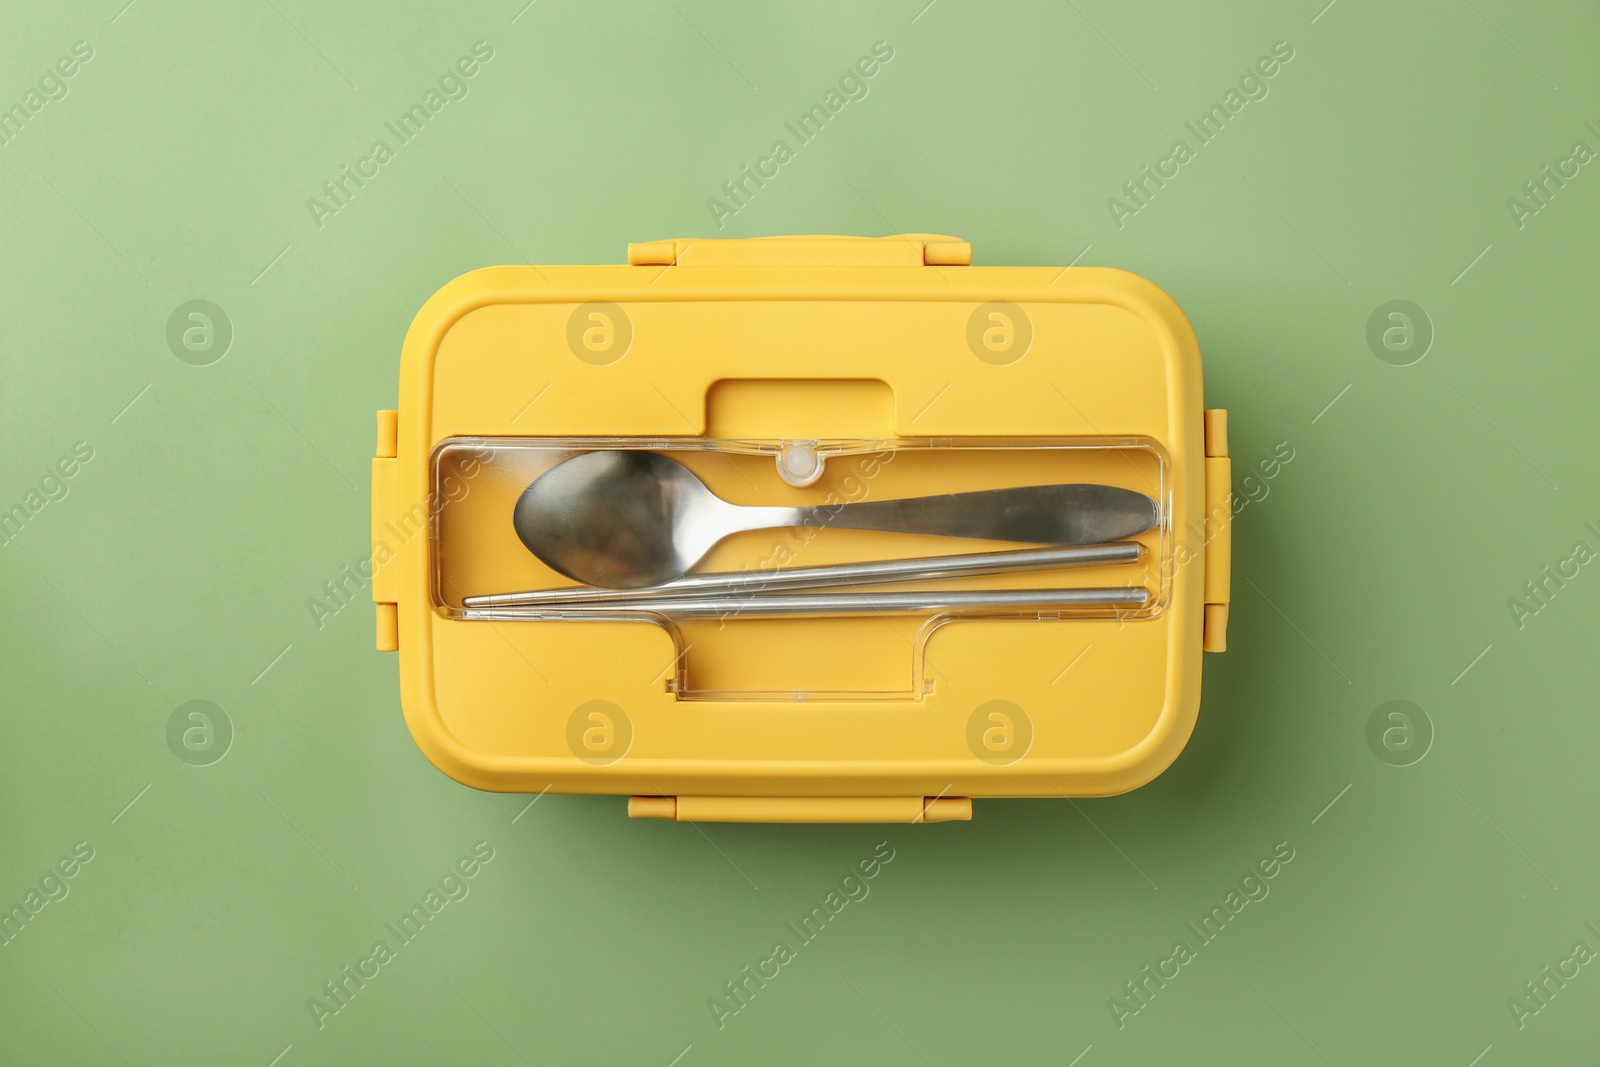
point(772, 604)
point(751, 583)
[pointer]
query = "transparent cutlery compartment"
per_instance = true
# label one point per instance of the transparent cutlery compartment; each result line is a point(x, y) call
point(737, 629)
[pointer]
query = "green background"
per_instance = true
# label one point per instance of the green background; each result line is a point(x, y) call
point(1378, 565)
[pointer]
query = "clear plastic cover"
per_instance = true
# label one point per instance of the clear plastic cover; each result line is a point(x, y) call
point(475, 551)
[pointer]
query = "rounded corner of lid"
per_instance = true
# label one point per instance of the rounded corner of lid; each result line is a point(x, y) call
point(1155, 754)
point(1155, 305)
point(453, 301)
point(442, 749)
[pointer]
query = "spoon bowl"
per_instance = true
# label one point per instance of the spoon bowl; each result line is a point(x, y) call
point(619, 519)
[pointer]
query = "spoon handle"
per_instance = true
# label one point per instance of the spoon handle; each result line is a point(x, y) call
point(1038, 514)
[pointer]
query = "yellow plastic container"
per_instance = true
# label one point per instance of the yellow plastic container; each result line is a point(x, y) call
point(900, 370)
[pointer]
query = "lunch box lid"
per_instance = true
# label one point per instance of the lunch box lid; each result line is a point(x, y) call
point(964, 352)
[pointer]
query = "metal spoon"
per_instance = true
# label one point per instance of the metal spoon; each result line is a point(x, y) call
point(627, 519)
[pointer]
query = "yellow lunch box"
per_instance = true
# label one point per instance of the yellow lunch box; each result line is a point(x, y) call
point(801, 371)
